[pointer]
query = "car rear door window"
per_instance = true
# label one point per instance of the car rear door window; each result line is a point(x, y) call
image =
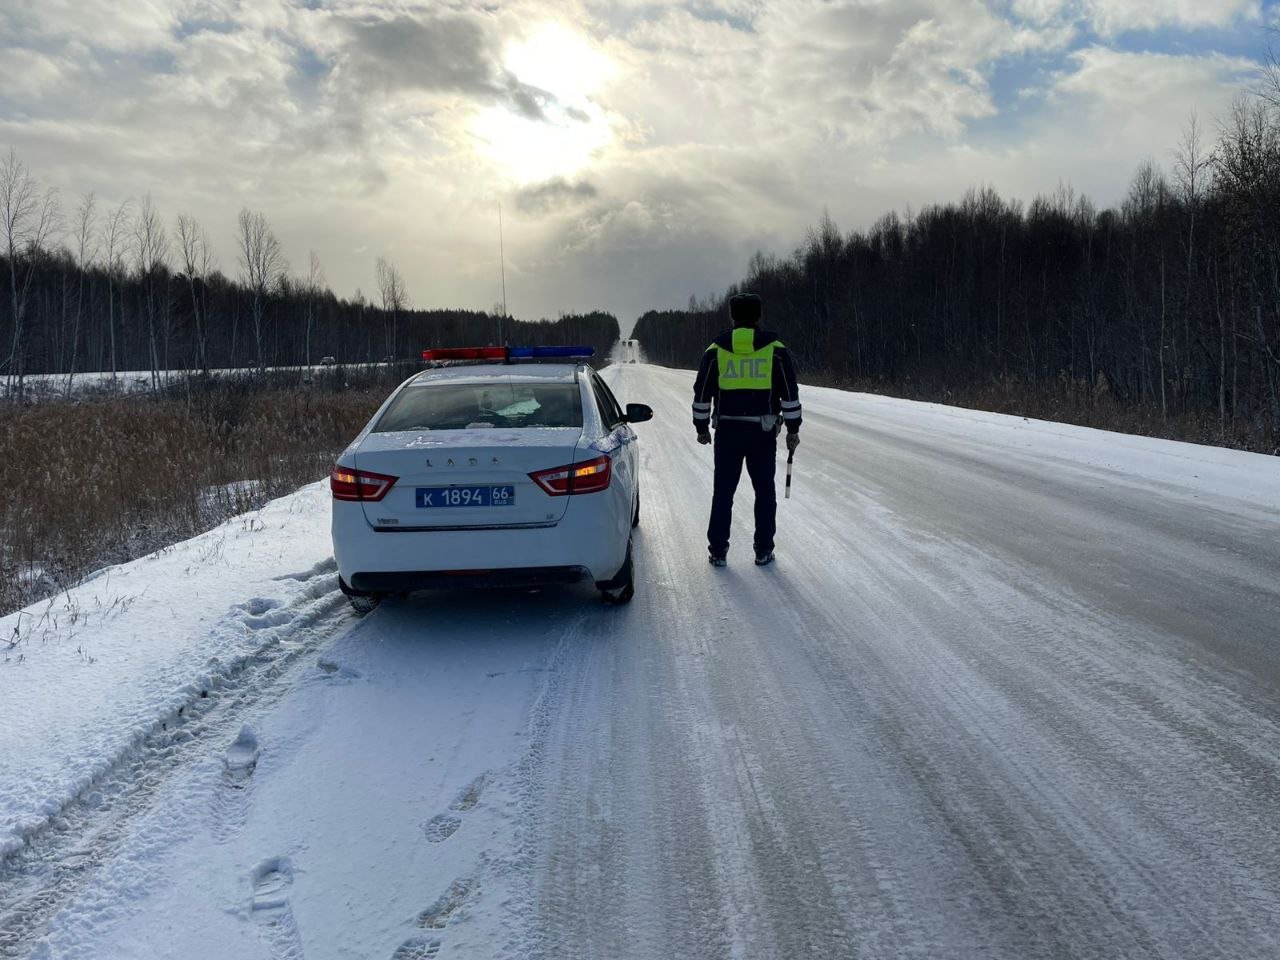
point(504, 404)
point(609, 409)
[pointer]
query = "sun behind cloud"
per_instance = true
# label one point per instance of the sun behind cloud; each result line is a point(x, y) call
point(560, 70)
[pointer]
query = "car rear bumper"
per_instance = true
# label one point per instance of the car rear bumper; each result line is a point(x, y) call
point(407, 581)
point(588, 543)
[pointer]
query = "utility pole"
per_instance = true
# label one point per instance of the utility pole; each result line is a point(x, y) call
point(502, 263)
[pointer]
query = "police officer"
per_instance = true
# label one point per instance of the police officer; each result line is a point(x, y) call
point(748, 375)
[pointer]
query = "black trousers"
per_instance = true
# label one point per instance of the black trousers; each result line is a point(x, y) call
point(738, 443)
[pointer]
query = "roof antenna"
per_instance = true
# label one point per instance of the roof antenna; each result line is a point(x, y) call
point(502, 261)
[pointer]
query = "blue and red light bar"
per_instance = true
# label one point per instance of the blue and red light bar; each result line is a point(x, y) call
point(507, 354)
point(538, 353)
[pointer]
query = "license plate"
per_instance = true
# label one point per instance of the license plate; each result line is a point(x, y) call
point(465, 497)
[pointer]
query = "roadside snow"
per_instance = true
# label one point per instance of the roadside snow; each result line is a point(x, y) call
point(85, 676)
point(201, 749)
point(1187, 470)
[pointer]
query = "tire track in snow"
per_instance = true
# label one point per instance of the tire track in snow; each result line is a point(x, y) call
point(996, 682)
point(524, 940)
point(57, 859)
point(634, 856)
point(941, 725)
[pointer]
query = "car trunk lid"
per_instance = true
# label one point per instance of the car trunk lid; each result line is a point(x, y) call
point(472, 461)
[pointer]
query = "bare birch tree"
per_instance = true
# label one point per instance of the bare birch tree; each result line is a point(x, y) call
point(113, 254)
point(313, 288)
point(28, 221)
point(197, 263)
point(151, 257)
point(1192, 168)
point(395, 298)
point(86, 252)
point(262, 265)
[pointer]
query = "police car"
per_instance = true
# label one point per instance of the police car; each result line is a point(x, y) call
point(496, 466)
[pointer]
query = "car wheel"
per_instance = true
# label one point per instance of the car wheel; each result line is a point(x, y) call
point(623, 585)
point(635, 517)
point(361, 603)
point(364, 605)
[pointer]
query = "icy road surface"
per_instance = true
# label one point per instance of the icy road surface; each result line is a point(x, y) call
point(1011, 691)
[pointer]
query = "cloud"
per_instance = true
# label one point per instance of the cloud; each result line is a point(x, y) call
point(1112, 17)
point(649, 147)
point(241, 73)
point(809, 71)
point(1119, 87)
point(450, 53)
point(30, 74)
point(1105, 112)
point(553, 194)
point(103, 24)
point(439, 53)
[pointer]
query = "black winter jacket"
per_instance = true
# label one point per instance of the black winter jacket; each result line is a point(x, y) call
point(782, 399)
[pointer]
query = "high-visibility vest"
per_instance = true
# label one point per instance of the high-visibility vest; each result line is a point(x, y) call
point(744, 367)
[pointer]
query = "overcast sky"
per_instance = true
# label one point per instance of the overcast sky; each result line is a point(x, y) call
point(641, 151)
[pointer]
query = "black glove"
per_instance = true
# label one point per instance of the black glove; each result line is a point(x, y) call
point(793, 441)
point(704, 436)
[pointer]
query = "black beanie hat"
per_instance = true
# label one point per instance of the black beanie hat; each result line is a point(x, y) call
point(745, 309)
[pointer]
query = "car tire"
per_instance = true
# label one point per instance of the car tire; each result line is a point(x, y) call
point(622, 587)
point(361, 603)
point(364, 605)
point(635, 516)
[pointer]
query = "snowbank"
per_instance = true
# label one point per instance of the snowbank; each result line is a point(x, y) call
point(86, 676)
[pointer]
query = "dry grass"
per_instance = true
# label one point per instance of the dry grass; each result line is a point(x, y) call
point(1077, 402)
point(93, 482)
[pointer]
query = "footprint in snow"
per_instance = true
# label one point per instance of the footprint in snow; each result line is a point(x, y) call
point(269, 908)
point(336, 672)
point(417, 948)
point(444, 825)
point(272, 879)
point(272, 618)
point(470, 795)
point(241, 759)
point(229, 807)
point(259, 605)
point(438, 915)
point(441, 827)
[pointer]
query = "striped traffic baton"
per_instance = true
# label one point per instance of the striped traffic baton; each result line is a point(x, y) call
point(791, 456)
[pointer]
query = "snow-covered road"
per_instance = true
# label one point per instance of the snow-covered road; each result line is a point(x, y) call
point(1012, 690)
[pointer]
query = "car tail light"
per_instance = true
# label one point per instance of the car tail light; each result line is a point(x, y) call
point(590, 476)
point(349, 484)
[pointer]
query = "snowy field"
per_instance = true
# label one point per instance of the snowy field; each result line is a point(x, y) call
point(1009, 692)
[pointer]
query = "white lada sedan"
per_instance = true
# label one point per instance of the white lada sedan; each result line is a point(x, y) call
point(492, 473)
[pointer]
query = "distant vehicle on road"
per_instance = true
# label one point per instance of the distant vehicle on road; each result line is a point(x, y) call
point(328, 361)
point(516, 468)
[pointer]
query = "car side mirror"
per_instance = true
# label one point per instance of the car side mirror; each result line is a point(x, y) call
point(638, 413)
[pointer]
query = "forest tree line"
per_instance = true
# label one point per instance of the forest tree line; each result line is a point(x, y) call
point(1170, 301)
point(122, 289)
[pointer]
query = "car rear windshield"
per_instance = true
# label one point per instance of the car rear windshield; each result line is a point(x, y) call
point(450, 406)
